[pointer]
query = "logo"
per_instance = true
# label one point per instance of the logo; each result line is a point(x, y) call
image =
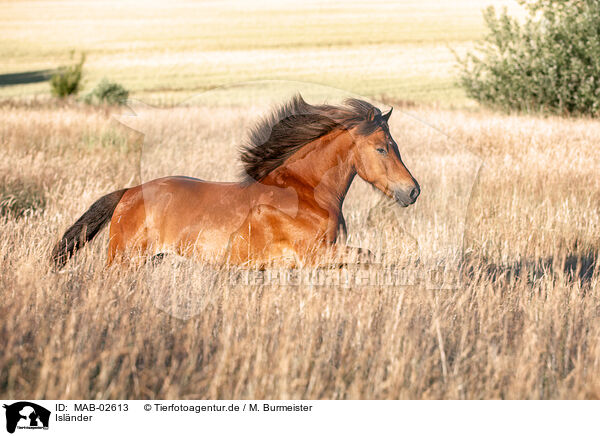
point(26, 415)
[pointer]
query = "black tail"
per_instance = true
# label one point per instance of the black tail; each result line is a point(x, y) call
point(85, 228)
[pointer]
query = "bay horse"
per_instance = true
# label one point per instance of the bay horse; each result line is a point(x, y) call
point(299, 163)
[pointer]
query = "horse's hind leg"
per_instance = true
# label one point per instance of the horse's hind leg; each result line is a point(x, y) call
point(128, 235)
point(116, 250)
point(125, 250)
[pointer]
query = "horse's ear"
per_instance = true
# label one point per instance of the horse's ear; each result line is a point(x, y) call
point(372, 114)
point(386, 117)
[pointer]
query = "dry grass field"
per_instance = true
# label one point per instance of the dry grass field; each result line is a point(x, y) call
point(520, 319)
point(502, 296)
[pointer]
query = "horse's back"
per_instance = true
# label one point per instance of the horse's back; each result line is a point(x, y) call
point(181, 213)
point(177, 212)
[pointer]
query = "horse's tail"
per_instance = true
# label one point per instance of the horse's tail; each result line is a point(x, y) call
point(85, 228)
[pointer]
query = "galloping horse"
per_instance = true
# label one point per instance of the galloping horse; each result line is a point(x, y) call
point(299, 164)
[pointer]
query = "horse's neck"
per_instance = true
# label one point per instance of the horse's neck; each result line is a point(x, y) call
point(322, 170)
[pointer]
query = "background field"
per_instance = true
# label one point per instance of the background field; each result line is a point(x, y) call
point(167, 51)
point(511, 199)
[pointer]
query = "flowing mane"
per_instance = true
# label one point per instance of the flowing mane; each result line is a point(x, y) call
point(296, 123)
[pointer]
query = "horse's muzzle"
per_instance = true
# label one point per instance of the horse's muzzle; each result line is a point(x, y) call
point(405, 197)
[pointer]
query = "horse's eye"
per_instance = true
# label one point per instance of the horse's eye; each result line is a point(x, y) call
point(382, 151)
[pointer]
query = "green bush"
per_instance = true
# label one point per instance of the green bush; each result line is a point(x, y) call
point(67, 79)
point(550, 62)
point(108, 93)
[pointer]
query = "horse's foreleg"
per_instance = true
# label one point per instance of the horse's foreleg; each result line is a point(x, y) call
point(338, 255)
point(354, 254)
point(263, 239)
point(269, 236)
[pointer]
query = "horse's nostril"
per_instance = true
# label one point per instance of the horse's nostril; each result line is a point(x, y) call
point(414, 194)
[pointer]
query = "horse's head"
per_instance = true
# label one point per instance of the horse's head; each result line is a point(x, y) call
point(377, 159)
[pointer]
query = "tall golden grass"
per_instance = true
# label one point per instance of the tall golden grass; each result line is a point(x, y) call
point(522, 321)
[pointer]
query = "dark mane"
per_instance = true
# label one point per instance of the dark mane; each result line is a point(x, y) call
point(296, 123)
